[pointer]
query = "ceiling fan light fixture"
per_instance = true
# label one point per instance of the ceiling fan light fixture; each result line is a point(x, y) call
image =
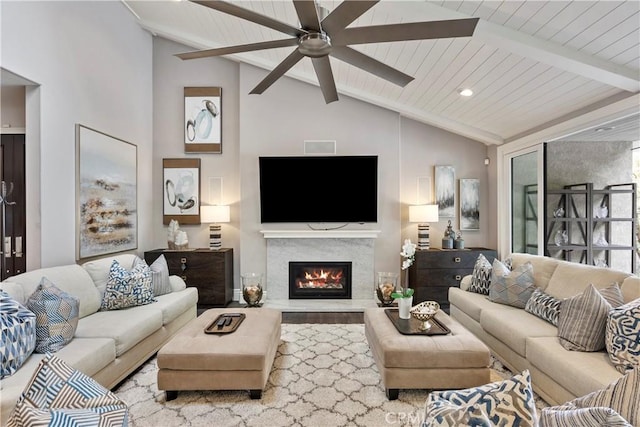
point(465, 92)
point(314, 45)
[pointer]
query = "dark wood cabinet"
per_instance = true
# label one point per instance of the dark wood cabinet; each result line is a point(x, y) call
point(434, 271)
point(211, 271)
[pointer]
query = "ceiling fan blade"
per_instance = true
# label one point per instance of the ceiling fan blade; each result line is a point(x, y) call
point(345, 14)
point(278, 72)
point(237, 49)
point(250, 15)
point(373, 66)
point(325, 78)
point(307, 14)
point(407, 31)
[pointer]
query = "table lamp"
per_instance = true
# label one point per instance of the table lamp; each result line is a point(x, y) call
point(423, 215)
point(214, 215)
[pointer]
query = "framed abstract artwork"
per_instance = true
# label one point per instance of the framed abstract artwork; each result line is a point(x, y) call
point(202, 120)
point(470, 204)
point(181, 191)
point(106, 194)
point(445, 184)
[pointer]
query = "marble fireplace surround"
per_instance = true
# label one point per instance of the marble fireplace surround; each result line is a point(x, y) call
point(355, 246)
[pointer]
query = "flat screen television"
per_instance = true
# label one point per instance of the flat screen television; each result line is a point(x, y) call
point(319, 189)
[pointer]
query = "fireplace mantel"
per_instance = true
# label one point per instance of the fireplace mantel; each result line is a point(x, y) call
point(320, 234)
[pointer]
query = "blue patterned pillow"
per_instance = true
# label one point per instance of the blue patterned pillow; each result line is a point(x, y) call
point(622, 336)
point(56, 316)
point(503, 403)
point(58, 395)
point(511, 287)
point(544, 306)
point(17, 334)
point(481, 277)
point(127, 288)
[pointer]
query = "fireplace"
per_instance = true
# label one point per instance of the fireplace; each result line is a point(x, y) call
point(320, 280)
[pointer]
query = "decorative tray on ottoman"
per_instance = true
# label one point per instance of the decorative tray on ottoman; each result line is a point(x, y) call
point(225, 323)
point(412, 326)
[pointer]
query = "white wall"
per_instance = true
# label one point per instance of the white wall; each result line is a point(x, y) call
point(84, 77)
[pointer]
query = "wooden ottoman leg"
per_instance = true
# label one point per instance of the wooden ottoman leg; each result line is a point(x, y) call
point(255, 394)
point(392, 393)
point(171, 394)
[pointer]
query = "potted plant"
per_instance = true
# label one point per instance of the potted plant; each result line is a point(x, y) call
point(405, 297)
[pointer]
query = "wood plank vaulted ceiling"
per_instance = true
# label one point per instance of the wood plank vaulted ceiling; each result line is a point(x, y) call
point(529, 63)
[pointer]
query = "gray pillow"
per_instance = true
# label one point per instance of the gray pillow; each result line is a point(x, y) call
point(511, 287)
point(481, 278)
point(160, 276)
point(582, 321)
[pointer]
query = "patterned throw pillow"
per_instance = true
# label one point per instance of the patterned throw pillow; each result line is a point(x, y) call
point(509, 403)
point(59, 395)
point(127, 288)
point(544, 306)
point(160, 276)
point(582, 321)
point(511, 287)
point(17, 334)
point(570, 416)
point(56, 316)
point(481, 277)
point(622, 336)
point(622, 395)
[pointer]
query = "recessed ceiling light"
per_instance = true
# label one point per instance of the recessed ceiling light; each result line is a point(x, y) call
point(465, 92)
point(605, 128)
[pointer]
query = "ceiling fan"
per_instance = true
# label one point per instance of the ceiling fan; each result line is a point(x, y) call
point(323, 34)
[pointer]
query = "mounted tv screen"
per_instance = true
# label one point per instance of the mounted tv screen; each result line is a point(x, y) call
point(319, 189)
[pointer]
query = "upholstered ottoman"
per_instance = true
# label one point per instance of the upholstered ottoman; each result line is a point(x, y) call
point(241, 360)
point(457, 360)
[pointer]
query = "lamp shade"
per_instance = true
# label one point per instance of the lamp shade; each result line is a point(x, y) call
point(214, 214)
point(423, 213)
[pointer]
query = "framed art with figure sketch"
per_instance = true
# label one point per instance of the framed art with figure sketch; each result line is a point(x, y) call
point(202, 120)
point(181, 191)
point(106, 194)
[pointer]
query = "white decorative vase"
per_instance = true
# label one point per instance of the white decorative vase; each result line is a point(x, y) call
point(404, 307)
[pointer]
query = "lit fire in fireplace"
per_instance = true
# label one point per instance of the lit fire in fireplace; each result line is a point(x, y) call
point(327, 279)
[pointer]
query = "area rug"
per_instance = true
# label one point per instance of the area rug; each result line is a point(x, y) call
point(324, 375)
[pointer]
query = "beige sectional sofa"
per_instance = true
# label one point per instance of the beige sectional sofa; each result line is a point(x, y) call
point(107, 345)
point(523, 341)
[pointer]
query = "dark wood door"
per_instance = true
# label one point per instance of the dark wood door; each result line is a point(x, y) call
point(12, 206)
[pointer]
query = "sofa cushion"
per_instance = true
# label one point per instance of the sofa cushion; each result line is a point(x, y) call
point(56, 316)
point(174, 304)
point(57, 394)
point(578, 372)
point(509, 402)
point(571, 278)
point(514, 326)
point(473, 304)
point(17, 334)
point(630, 288)
point(622, 395)
point(99, 269)
point(127, 288)
point(72, 279)
point(544, 306)
point(543, 267)
point(622, 336)
point(127, 327)
point(481, 277)
point(582, 321)
point(511, 287)
point(570, 416)
point(160, 276)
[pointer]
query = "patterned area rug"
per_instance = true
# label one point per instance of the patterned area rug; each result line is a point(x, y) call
point(323, 375)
